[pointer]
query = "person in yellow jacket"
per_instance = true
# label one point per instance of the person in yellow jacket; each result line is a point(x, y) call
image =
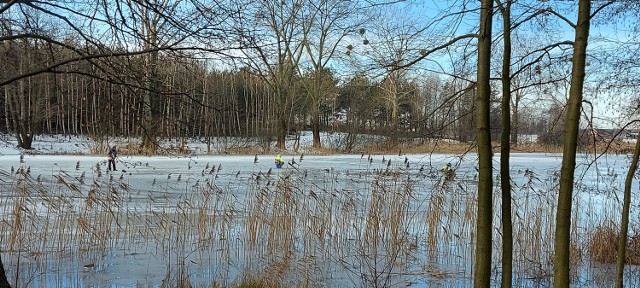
point(279, 162)
point(449, 172)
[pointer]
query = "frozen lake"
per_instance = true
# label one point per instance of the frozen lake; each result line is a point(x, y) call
point(334, 221)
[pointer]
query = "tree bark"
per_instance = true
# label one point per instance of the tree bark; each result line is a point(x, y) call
point(4, 283)
point(624, 227)
point(563, 217)
point(315, 127)
point(505, 149)
point(482, 273)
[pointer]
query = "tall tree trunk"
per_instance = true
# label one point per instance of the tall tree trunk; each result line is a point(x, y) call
point(151, 24)
point(4, 283)
point(624, 227)
point(316, 95)
point(315, 127)
point(482, 275)
point(515, 126)
point(572, 123)
point(7, 109)
point(150, 125)
point(20, 126)
point(282, 125)
point(505, 150)
point(282, 132)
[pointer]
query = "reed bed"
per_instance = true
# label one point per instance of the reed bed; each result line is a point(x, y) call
point(370, 226)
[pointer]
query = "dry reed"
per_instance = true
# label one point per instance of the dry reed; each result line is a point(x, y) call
point(374, 227)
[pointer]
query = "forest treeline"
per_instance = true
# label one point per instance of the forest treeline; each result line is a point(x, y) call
point(194, 98)
point(154, 69)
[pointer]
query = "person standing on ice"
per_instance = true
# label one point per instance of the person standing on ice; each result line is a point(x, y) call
point(111, 158)
point(449, 172)
point(279, 162)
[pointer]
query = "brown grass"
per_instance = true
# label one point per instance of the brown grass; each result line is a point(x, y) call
point(441, 147)
point(633, 249)
point(246, 150)
point(291, 228)
point(249, 281)
point(603, 246)
point(612, 147)
point(246, 147)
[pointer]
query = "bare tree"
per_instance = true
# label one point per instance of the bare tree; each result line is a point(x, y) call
point(357, 99)
point(330, 23)
point(154, 26)
point(273, 44)
point(482, 273)
point(563, 217)
point(627, 62)
point(4, 283)
point(505, 151)
point(624, 223)
point(396, 41)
